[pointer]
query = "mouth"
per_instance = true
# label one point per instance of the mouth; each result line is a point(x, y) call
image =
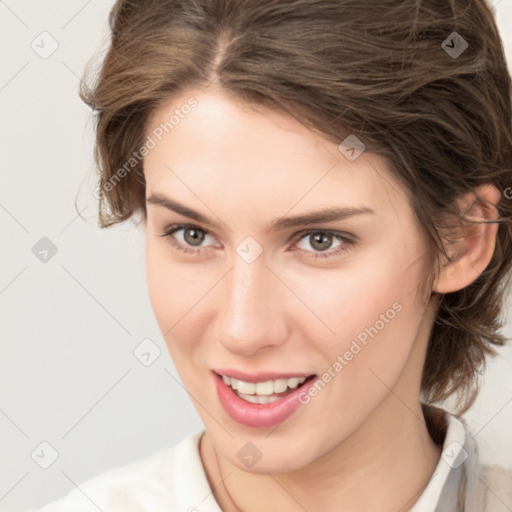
point(267, 391)
point(259, 401)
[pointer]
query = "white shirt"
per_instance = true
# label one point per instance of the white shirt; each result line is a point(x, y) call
point(174, 480)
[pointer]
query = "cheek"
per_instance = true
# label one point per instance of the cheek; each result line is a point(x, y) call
point(348, 301)
point(178, 293)
point(375, 328)
point(171, 295)
point(162, 285)
point(370, 313)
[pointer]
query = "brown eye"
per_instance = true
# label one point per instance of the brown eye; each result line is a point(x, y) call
point(193, 236)
point(321, 241)
point(188, 238)
point(316, 243)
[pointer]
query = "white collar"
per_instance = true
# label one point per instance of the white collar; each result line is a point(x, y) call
point(458, 458)
point(458, 454)
point(193, 493)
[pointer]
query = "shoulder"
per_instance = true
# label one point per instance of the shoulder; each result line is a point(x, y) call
point(462, 478)
point(496, 488)
point(147, 484)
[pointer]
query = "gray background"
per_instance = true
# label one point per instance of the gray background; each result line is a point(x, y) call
point(69, 327)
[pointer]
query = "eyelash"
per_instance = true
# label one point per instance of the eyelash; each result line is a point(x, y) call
point(346, 245)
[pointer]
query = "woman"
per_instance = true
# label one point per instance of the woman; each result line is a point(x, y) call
point(325, 192)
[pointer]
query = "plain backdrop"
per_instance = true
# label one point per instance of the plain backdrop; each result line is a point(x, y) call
point(75, 401)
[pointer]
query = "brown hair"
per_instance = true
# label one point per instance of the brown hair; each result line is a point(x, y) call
point(378, 69)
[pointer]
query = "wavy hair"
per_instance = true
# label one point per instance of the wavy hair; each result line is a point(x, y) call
point(384, 70)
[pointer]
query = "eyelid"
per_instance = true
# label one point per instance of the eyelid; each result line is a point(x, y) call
point(343, 234)
point(347, 239)
point(173, 228)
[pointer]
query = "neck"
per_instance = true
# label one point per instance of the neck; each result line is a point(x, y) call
point(390, 473)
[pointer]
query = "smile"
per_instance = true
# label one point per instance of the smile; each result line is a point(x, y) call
point(263, 392)
point(260, 403)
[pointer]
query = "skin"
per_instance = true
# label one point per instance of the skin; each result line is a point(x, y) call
point(362, 441)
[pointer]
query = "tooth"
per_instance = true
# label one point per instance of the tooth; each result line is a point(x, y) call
point(265, 388)
point(267, 399)
point(255, 399)
point(293, 382)
point(249, 398)
point(247, 388)
point(279, 385)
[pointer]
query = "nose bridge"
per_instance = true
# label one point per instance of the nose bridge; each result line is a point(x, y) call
point(250, 313)
point(246, 294)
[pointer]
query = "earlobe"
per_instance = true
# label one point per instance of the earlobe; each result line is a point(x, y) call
point(476, 242)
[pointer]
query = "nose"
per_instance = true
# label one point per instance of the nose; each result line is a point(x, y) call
point(252, 312)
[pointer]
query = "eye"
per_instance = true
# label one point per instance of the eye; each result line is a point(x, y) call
point(321, 241)
point(191, 238)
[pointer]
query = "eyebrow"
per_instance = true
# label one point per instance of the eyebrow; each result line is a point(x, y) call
point(327, 215)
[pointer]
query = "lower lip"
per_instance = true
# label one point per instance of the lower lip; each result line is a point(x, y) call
point(258, 415)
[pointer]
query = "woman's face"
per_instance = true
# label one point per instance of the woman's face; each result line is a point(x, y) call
point(243, 289)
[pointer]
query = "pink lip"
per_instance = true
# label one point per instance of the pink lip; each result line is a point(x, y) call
point(257, 377)
point(258, 415)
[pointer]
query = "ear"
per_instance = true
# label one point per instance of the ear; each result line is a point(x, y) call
point(475, 243)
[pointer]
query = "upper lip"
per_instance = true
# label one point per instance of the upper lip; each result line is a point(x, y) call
point(260, 376)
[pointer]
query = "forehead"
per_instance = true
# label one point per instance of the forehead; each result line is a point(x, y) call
point(254, 157)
